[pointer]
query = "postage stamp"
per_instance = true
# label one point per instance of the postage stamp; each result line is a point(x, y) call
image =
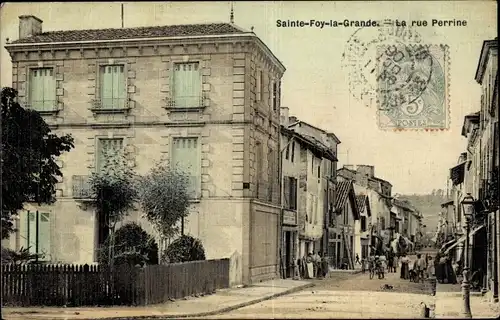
point(389, 67)
point(412, 87)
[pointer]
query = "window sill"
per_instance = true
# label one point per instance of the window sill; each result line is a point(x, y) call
point(185, 109)
point(46, 112)
point(195, 200)
point(109, 111)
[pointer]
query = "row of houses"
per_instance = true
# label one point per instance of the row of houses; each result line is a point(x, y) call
point(476, 173)
point(265, 186)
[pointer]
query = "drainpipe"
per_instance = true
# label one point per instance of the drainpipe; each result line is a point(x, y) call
point(282, 208)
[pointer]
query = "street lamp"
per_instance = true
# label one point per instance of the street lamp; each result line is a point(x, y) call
point(468, 210)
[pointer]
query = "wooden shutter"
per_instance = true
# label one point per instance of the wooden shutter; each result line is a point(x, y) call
point(49, 90)
point(187, 85)
point(258, 85)
point(23, 228)
point(186, 158)
point(287, 189)
point(36, 89)
point(105, 147)
point(118, 86)
point(32, 231)
point(44, 235)
point(293, 193)
point(107, 87)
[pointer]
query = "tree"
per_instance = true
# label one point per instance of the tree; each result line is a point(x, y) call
point(164, 199)
point(132, 245)
point(184, 249)
point(114, 192)
point(29, 153)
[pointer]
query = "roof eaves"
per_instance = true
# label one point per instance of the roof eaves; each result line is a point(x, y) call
point(483, 58)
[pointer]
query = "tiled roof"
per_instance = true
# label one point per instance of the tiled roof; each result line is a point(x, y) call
point(133, 33)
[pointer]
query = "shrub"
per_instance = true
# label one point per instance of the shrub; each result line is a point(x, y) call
point(133, 246)
point(184, 249)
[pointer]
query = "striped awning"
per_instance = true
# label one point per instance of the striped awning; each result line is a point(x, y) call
point(342, 194)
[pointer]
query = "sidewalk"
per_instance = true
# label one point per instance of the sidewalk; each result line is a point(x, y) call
point(449, 303)
point(223, 301)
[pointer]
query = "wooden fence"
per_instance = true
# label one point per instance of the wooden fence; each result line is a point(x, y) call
point(84, 285)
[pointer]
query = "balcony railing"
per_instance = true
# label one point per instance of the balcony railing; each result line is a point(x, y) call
point(186, 102)
point(81, 187)
point(110, 104)
point(42, 105)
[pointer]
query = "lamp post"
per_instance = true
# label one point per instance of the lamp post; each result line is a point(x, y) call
point(468, 210)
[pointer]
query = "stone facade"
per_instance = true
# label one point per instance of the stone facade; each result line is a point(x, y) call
point(228, 216)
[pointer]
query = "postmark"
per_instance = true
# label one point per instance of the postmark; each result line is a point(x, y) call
point(412, 87)
point(391, 68)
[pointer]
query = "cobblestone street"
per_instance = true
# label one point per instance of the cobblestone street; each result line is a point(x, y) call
point(345, 296)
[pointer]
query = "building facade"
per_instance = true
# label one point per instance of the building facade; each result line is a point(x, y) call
point(380, 200)
point(486, 77)
point(205, 97)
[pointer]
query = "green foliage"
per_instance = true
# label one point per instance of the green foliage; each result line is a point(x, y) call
point(132, 245)
point(184, 249)
point(22, 256)
point(113, 188)
point(164, 198)
point(29, 154)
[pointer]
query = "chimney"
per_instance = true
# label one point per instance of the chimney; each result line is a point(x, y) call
point(284, 111)
point(29, 26)
point(366, 170)
point(292, 119)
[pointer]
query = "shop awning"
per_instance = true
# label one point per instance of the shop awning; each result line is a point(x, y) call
point(462, 239)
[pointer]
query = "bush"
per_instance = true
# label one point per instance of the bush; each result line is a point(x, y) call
point(133, 246)
point(184, 249)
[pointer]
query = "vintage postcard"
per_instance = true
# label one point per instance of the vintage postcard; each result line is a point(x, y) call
point(245, 159)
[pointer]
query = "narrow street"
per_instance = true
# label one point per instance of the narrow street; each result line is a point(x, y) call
point(345, 296)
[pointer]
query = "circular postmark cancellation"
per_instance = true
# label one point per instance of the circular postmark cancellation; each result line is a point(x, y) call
point(390, 67)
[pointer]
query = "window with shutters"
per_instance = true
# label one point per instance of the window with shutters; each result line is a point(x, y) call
point(259, 174)
point(271, 173)
point(293, 151)
point(42, 89)
point(186, 157)
point(363, 223)
point(287, 153)
point(113, 93)
point(259, 84)
point(276, 97)
point(35, 233)
point(107, 148)
point(187, 85)
point(290, 189)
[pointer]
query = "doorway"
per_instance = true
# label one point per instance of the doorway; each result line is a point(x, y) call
point(288, 254)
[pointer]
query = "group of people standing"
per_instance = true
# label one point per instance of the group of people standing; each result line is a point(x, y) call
point(313, 266)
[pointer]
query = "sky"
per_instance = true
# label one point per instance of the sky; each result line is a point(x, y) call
point(315, 86)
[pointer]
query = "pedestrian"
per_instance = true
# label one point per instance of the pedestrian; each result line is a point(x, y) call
point(316, 259)
point(357, 259)
point(324, 264)
point(420, 266)
point(431, 275)
point(395, 263)
point(405, 264)
point(319, 265)
point(390, 263)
